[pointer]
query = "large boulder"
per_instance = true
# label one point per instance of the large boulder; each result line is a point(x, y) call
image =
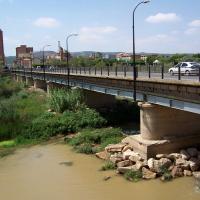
point(194, 164)
point(104, 155)
point(177, 172)
point(135, 158)
point(116, 158)
point(115, 148)
point(123, 170)
point(185, 155)
point(193, 152)
point(180, 162)
point(124, 163)
point(187, 173)
point(129, 153)
point(148, 174)
point(158, 165)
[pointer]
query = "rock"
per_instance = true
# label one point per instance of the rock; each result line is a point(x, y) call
point(123, 170)
point(128, 153)
point(180, 162)
point(127, 148)
point(159, 156)
point(187, 173)
point(165, 163)
point(177, 172)
point(115, 159)
point(147, 174)
point(194, 164)
point(106, 178)
point(135, 158)
point(174, 156)
point(193, 152)
point(50, 110)
point(140, 164)
point(196, 175)
point(185, 155)
point(104, 155)
point(113, 148)
point(157, 165)
point(124, 163)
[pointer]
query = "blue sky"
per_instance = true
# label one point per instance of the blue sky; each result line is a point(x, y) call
point(163, 26)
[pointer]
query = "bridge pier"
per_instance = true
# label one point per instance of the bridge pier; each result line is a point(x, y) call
point(29, 81)
point(165, 130)
point(98, 100)
point(40, 84)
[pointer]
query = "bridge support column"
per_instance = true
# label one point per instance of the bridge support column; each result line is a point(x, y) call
point(40, 84)
point(29, 81)
point(165, 130)
point(97, 100)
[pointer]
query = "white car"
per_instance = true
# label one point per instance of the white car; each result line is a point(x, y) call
point(186, 68)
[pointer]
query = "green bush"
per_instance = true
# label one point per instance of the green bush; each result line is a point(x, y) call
point(85, 148)
point(8, 110)
point(61, 100)
point(98, 137)
point(108, 166)
point(132, 175)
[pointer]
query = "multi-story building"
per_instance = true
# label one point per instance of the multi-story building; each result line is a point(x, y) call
point(24, 56)
point(2, 56)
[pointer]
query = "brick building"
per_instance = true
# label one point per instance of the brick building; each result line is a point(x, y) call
point(2, 56)
point(24, 56)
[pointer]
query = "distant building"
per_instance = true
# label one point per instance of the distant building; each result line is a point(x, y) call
point(124, 57)
point(96, 55)
point(24, 56)
point(2, 56)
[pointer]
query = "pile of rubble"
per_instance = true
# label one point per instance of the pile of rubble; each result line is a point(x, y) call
point(185, 163)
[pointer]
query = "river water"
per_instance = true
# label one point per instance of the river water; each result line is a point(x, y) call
point(55, 172)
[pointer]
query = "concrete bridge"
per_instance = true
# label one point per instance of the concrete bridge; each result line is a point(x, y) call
point(170, 109)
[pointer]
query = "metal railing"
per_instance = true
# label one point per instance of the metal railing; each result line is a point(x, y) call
point(125, 71)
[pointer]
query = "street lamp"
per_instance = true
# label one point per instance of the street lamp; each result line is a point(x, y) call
point(43, 59)
point(134, 65)
point(67, 48)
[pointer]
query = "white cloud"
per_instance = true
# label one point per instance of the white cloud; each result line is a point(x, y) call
point(163, 17)
point(46, 22)
point(91, 34)
point(195, 23)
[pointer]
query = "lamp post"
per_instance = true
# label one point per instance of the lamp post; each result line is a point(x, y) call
point(67, 48)
point(43, 59)
point(134, 65)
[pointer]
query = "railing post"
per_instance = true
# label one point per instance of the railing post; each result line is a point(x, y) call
point(80, 70)
point(101, 71)
point(179, 73)
point(124, 71)
point(116, 71)
point(89, 71)
point(199, 74)
point(162, 71)
point(95, 71)
point(149, 70)
point(108, 70)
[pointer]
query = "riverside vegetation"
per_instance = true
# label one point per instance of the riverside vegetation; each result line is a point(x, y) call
point(29, 117)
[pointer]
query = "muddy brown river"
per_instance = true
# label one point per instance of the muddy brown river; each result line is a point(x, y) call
point(55, 172)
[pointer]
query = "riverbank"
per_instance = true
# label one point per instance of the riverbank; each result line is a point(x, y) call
point(54, 171)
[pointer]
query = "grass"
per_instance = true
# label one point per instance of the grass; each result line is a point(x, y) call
point(108, 166)
point(95, 140)
point(61, 100)
point(8, 144)
point(132, 175)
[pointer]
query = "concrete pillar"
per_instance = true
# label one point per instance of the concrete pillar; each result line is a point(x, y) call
point(164, 130)
point(97, 100)
point(40, 84)
point(29, 81)
point(159, 122)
